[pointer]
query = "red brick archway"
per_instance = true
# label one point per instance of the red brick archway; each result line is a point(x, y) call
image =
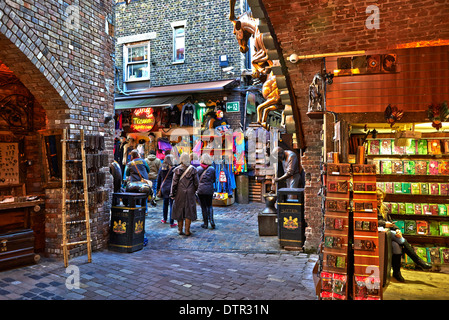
point(23, 52)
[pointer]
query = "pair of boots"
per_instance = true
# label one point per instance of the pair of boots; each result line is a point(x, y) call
point(208, 216)
point(396, 261)
point(187, 227)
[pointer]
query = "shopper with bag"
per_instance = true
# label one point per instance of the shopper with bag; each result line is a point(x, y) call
point(183, 189)
point(164, 181)
point(206, 174)
point(154, 164)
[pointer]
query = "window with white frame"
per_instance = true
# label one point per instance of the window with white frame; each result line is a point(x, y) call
point(136, 58)
point(178, 41)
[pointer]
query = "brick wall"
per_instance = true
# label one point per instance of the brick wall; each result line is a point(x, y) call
point(326, 26)
point(208, 34)
point(63, 53)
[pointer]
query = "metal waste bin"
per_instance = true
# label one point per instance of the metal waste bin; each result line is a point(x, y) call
point(290, 211)
point(127, 229)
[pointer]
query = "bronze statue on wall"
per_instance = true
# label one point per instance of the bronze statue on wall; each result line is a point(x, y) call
point(245, 27)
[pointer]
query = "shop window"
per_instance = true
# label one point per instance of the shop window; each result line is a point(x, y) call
point(178, 41)
point(136, 58)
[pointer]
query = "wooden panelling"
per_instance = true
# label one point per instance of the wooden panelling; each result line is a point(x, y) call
point(422, 78)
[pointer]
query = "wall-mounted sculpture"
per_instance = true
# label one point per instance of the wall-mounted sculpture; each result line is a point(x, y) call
point(246, 27)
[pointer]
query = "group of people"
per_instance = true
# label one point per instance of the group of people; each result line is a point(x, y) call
point(178, 185)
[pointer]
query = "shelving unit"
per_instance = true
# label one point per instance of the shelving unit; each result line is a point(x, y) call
point(416, 183)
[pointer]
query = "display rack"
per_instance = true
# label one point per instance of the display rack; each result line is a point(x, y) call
point(415, 179)
point(334, 274)
point(366, 280)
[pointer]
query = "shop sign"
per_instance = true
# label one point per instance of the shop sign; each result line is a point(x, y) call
point(233, 106)
point(143, 119)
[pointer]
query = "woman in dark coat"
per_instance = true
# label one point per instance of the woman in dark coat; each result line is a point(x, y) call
point(183, 189)
point(164, 181)
point(206, 176)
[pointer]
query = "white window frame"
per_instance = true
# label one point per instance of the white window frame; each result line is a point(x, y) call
point(175, 25)
point(126, 63)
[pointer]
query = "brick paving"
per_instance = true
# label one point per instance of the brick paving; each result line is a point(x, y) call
point(231, 262)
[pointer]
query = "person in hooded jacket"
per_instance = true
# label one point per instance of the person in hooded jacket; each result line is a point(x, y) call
point(164, 181)
point(183, 189)
point(155, 164)
point(206, 176)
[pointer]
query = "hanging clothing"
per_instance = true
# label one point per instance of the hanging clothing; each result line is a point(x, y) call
point(187, 114)
point(239, 151)
point(174, 115)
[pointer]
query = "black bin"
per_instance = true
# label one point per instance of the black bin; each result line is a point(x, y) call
point(127, 229)
point(291, 224)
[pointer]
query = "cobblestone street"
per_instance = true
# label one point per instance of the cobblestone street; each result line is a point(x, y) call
point(231, 262)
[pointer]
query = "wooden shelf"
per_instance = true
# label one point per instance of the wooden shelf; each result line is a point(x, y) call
point(419, 217)
point(411, 178)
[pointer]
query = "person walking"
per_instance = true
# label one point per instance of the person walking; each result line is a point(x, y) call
point(154, 164)
point(183, 189)
point(206, 177)
point(164, 181)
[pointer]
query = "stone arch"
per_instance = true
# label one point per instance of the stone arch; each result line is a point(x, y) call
point(24, 53)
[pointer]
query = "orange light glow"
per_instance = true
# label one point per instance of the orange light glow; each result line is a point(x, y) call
point(419, 44)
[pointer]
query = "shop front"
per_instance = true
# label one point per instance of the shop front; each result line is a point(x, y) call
point(385, 159)
point(192, 118)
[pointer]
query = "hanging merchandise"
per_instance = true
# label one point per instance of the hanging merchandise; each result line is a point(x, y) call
point(221, 123)
point(187, 114)
point(174, 115)
point(239, 151)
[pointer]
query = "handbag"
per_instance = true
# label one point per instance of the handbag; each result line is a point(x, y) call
point(159, 193)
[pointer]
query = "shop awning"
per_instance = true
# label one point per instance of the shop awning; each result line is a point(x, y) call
point(132, 103)
point(189, 88)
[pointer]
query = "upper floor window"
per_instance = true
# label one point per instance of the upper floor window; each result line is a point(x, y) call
point(178, 41)
point(137, 62)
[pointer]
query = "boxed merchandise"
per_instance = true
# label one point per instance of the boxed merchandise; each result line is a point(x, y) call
point(415, 188)
point(443, 167)
point(339, 286)
point(433, 207)
point(410, 227)
point(409, 208)
point(376, 163)
point(397, 167)
point(406, 188)
point(445, 146)
point(444, 228)
point(411, 149)
point(426, 208)
point(374, 147)
point(386, 167)
point(381, 186)
point(434, 228)
point(424, 188)
point(433, 255)
point(418, 208)
point(397, 187)
point(326, 281)
point(401, 225)
point(433, 167)
point(443, 189)
point(422, 227)
point(433, 147)
point(421, 252)
point(422, 146)
point(442, 210)
point(409, 167)
point(421, 167)
point(444, 254)
point(401, 208)
point(388, 187)
point(385, 147)
point(394, 208)
point(398, 149)
point(434, 188)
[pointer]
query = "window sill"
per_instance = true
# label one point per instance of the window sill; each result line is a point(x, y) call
point(178, 62)
point(138, 80)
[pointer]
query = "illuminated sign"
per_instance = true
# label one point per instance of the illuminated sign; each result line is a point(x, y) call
point(143, 119)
